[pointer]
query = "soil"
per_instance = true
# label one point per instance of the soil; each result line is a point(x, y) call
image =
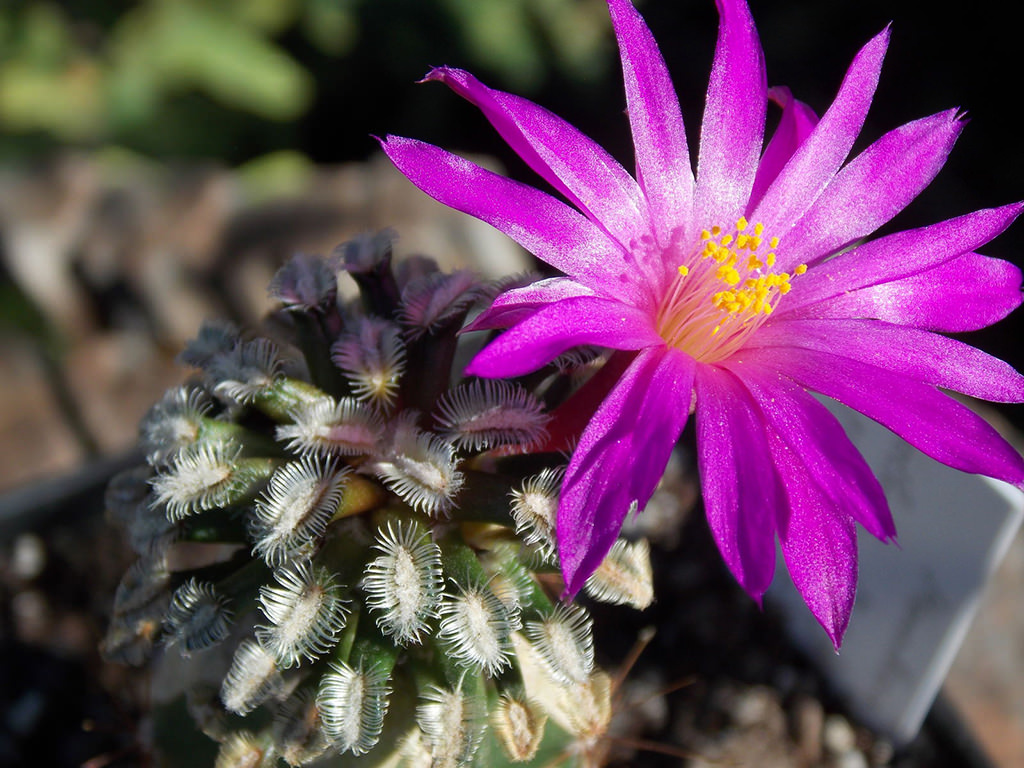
point(718, 683)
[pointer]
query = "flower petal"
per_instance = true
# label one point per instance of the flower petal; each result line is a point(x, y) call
point(549, 229)
point(620, 458)
point(810, 434)
point(567, 159)
point(916, 354)
point(516, 304)
point(796, 123)
point(898, 255)
point(931, 421)
point(659, 139)
point(963, 294)
point(815, 162)
point(872, 188)
point(819, 544)
point(734, 114)
point(741, 490)
point(573, 322)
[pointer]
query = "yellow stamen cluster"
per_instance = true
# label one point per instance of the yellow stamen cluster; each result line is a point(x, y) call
point(748, 293)
point(728, 282)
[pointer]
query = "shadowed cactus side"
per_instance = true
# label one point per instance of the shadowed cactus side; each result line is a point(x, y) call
point(355, 550)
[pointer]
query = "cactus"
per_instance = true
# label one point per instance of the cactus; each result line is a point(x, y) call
point(369, 545)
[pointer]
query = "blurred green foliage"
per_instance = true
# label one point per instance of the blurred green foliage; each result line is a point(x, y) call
point(185, 77)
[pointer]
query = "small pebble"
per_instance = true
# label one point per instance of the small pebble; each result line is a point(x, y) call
point(808, 726)
point(754, 706)
point(32, 617)
point(839, 737)
point(852, 759)
point(28, 557)
point(881, 753)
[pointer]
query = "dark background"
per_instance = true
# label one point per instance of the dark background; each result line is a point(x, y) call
point(361, 82)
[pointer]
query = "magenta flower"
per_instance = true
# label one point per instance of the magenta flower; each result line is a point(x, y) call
point(737, 291)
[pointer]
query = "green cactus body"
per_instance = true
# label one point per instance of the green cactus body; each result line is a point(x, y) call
point(357, 553)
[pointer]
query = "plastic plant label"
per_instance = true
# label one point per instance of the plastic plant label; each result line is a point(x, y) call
point(916, 599)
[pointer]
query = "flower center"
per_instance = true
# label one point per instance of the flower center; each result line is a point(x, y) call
point(724, 292)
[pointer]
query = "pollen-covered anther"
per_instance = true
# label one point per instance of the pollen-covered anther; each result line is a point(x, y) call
point(306, 612)
point(723, 291)
point(403, 585)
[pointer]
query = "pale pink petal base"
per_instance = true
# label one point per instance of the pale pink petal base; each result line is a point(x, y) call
point(573, 322)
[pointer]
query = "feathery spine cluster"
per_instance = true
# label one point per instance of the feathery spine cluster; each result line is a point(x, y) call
point(306, 611)
point(294, 510)
point(328, 427)
point(564, 643)
point(403, 584)
point(519, 724)
point(477, 628)
point(453, 724)
point(489, 413)
point(624, 576)
point(421, 468)
point(200, 478)
point(534, 508)
point(434, 300)
point(173, 423)
point(245, 372)
point(372, 357)
point(256, 459)
point(254, 677)
point(198, 617)
point(298, 730)
point(353, 702)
